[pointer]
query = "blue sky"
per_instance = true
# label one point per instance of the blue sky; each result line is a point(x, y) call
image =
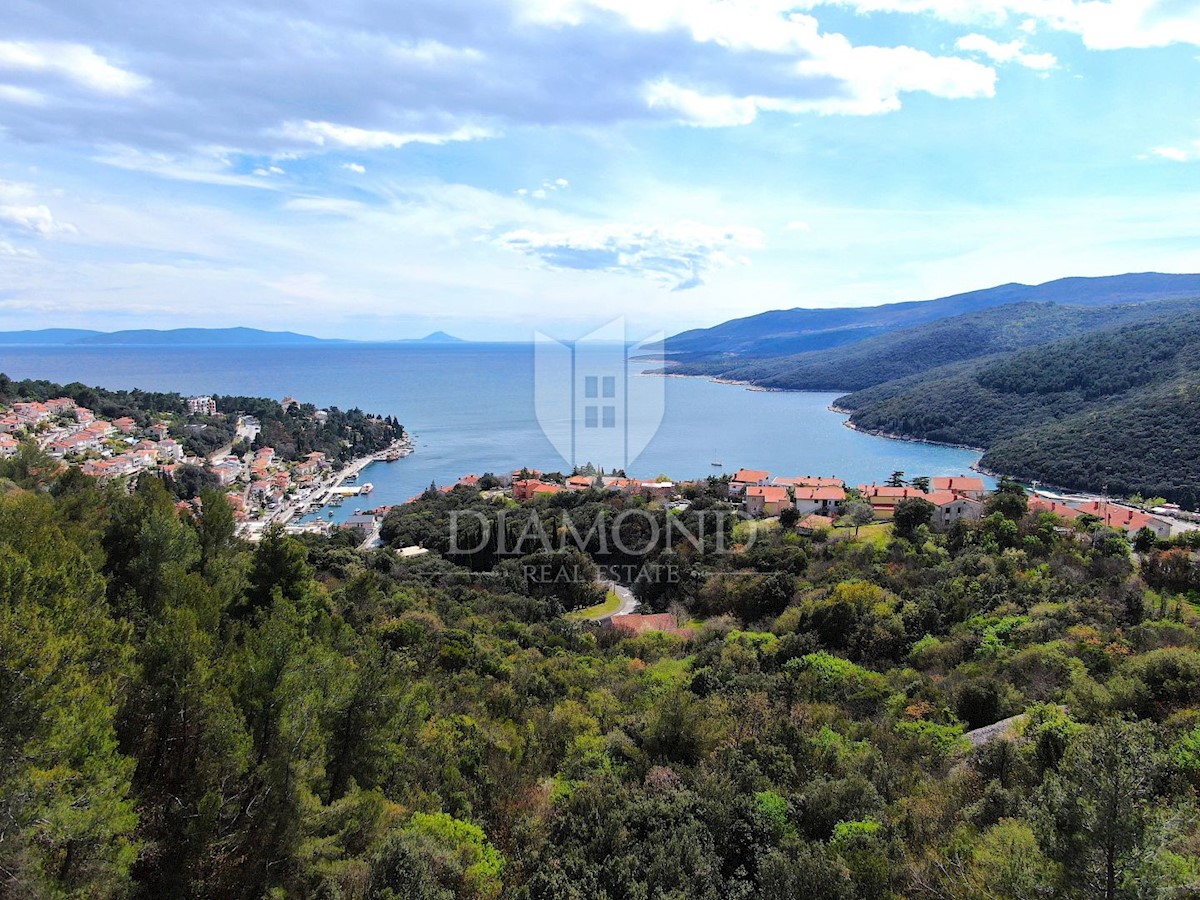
point(373, 169)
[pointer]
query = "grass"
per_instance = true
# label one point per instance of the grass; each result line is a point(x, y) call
point(877, 534)
point(610, 605)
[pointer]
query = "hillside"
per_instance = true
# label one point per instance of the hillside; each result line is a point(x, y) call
point(920, 348)
point(782, 332)
point(1120, 407)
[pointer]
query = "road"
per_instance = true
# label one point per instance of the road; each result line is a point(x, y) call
point(628, 601)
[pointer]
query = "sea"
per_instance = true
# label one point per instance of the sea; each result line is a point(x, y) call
point(470, 409)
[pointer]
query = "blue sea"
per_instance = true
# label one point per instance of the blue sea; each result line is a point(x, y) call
point(470, 409)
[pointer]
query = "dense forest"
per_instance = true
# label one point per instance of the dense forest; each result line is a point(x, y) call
point(1119, 408)
point(185, 715)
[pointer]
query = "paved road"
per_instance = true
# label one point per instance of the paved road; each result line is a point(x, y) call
point(628, 601)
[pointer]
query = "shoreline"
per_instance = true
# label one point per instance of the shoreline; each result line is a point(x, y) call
point(834, 408)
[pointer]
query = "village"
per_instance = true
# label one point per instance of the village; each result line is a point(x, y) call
point(822, 502)
point(261, 487)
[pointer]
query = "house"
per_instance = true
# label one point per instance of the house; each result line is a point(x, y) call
point(744, 478)
point(962, 485)
point(808, 481)
point(9, 424)
point(202, 406)
point(580, 482)
point(8, 445)
point(170, 450)
point(31, 413)
point(1131, 521)
point(950, 507)
point(159, 431)
point(766, 499)
point(125, 425)
point(60, 405)
point(83, 415)
point(362, 523)
point(469, 481)
point(1042, 505)
point(227, 472)
point(528, 488)
point(814, 523)
point(884, 499)
point(824, 500)
point(657, 490)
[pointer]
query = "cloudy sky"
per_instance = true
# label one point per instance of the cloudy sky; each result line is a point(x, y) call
point(381, 168)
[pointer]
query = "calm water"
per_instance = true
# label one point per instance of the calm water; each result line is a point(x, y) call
point(470, 409)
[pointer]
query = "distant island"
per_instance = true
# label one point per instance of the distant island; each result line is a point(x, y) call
point(188, 337)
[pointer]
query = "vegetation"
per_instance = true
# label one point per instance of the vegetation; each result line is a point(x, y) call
point(919, 349)
point(185, 715)
point(1120, 408)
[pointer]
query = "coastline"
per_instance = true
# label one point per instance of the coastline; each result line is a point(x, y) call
point(834, 408)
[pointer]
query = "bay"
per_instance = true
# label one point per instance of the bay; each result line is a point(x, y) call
point(470, 408)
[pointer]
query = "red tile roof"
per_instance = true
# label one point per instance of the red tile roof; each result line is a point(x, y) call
point(749, 476)
point(956, 483)
point(828, 492)
point(771, 493)
point(809, 481)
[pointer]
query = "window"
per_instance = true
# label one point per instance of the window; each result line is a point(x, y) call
point(610, 417)
point(590, 387)
point(589, 416)
point(610, 387)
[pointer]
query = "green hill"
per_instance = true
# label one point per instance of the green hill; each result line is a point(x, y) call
point(787, 331)
point(1120, 407)
point(911, 351)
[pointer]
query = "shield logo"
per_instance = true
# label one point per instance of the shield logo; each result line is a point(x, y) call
point(591, 399)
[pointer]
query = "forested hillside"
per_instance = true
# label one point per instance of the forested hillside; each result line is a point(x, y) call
point(789, 331)
point(184, 715)
point(1119, 408)
point(912, 351)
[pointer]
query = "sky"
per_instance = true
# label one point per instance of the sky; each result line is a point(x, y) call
point(376, 170)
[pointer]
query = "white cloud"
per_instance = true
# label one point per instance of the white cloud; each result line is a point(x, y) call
point(7, 249)
point(11, 93)
point(77, 63)
point(1012, 52)
point(699, 109)
point(678, 256)
point(329, 134)
point(356, 168)
point(1107, 25)
point(328, 205)
point(1187, 153)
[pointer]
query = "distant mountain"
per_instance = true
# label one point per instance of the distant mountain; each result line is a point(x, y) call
point(146, 337)
point(46, 336)
point(203, 337)
point(791, 331)
point(1118, 408)
point(920, 348)
point(440, 337)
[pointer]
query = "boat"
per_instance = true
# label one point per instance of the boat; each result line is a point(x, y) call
point(718, 465)
point(358, 512)
point(366, 488)
point(393, 455)
point(353, 476)
point(330, 514)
